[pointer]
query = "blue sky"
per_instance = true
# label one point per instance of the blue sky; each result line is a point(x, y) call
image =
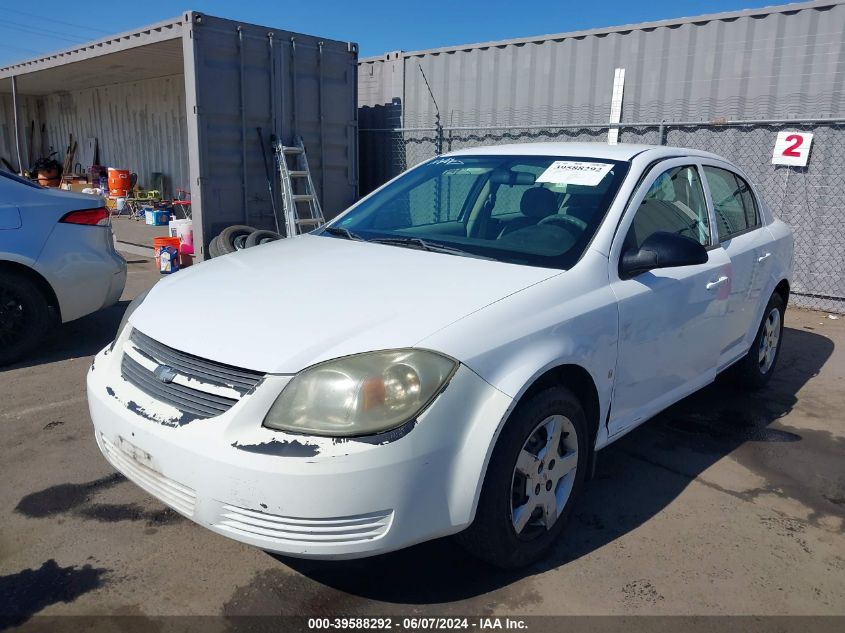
point(30, 29)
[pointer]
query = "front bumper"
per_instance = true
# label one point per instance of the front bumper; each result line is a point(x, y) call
point(303, 496)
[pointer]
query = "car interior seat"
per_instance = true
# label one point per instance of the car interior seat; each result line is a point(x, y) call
point(536, 203)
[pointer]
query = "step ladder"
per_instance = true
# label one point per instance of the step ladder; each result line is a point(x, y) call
point(300, 206)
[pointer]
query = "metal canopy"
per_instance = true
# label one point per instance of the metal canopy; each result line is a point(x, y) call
point(144, 53)
point(158, 59)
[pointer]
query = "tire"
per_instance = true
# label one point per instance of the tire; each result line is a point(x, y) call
point(214, 248)
point(232, 237)
point(494, 536)
point(755, 369)
point(261, 237)
point(25, 317)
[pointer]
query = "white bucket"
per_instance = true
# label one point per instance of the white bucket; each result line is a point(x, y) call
point(184, 230)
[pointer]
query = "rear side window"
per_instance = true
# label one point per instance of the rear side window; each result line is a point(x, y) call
point(733, 202)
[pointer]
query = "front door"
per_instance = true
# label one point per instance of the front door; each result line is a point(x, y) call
point(669, 318)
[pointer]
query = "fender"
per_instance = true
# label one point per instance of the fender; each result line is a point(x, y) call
point(24, 265)
point(530, 342)
point(17, 258)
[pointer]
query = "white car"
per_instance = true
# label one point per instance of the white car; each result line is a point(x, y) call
point(57, 262)
point(447, 355)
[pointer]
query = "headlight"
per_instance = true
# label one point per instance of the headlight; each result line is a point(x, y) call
point(362, 394)
point(133, 305)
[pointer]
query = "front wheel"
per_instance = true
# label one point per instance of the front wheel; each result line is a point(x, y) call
point(534, 478)
point(757, 367)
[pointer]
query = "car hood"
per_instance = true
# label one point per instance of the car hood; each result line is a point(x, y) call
point(283, 306)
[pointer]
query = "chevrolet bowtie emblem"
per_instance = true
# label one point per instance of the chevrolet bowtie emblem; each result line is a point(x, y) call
point(165, 373)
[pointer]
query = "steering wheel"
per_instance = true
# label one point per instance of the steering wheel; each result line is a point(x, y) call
point(565, 221)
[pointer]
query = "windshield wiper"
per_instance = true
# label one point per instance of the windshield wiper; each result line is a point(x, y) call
point(339, 230)
point(421, 244)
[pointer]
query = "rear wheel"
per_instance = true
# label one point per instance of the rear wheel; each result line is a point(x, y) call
point(757, 367)
point(534, 478)
point(24, 317)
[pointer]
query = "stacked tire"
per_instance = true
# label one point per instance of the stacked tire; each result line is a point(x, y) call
point(238, 237)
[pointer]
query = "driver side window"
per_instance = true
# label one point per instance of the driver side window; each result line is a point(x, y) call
point(674, 203)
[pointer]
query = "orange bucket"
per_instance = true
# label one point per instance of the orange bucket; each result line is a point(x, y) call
point(119, 182)
point(163, 242)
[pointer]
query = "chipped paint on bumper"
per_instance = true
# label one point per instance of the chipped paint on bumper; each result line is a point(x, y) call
point(300, 495)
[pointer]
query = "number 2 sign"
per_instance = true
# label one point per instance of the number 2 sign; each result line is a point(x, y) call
point(792, 148)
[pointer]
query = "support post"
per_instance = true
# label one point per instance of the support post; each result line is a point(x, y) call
point(17, 127)
point(244, 172)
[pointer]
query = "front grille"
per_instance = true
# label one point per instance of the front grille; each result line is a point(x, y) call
point(201, 388)
point(349, 529)
point(207, 371)
point(174, 494)
point(197, 403)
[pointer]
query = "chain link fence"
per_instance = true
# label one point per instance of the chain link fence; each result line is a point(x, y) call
point(811, 199)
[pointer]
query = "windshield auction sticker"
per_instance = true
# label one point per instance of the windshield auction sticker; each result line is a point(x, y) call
point(572, 172)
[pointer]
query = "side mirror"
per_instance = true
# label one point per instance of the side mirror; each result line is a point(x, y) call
point(661, 250)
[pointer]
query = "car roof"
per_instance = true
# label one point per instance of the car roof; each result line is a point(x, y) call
point(621, 151)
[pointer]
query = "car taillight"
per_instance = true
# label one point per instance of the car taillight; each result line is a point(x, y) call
point(94, 217)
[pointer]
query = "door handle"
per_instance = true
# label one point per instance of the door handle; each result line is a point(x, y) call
point(764, 257)
point(713, 284)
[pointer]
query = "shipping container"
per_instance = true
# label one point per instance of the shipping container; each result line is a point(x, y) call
point(185, 98)
point(782, 61)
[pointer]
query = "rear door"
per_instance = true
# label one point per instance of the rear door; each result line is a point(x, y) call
point(669, 318)
point(740, 232)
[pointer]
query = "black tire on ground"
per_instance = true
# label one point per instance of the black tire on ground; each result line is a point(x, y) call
point(751, 371)
point(261, 237)
point(228, 236)
point(214, 248)
point(25, 317)
point(492, 536)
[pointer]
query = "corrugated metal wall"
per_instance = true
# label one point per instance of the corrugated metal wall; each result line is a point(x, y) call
point(27, 111)
point(139, 126)
point(772, 62)
point(288, 84)
point(378, 107)
point(380, 86)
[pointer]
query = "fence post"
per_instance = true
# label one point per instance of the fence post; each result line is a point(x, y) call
point(661, 132)
point(438, 144)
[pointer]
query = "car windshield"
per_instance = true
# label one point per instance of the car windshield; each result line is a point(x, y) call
point(530, 210)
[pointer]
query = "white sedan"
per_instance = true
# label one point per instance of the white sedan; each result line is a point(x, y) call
point(448, 355)
point(57, 262)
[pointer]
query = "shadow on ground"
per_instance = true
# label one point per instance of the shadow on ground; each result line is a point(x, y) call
point(637, 477)
point(27, 592)
point(80, 338)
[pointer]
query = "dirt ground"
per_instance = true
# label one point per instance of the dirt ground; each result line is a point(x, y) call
point(727, 503)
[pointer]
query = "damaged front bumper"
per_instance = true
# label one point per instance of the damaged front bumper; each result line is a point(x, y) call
point(300, 495)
